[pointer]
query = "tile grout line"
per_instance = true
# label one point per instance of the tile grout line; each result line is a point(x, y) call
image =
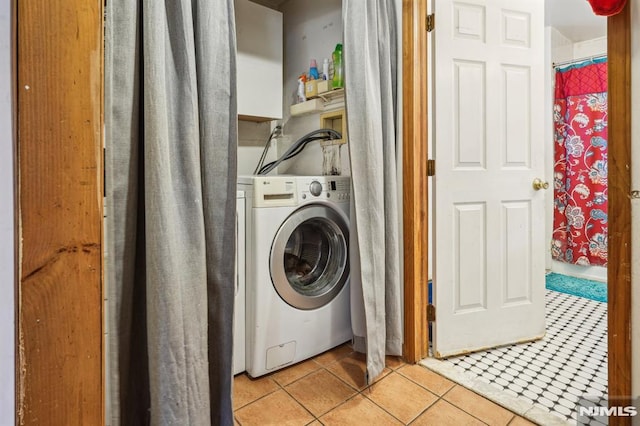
point(438, 398)
point(378, 405)
point(296, 400)
point(362, 392)
point(465, 411)
point(279, 386)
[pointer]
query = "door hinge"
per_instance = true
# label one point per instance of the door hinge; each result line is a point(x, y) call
point(431, 167)
point(431, 313)
point(431, 22)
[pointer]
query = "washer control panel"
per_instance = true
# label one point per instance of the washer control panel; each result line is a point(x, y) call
point(274, 191)
point(334, 188)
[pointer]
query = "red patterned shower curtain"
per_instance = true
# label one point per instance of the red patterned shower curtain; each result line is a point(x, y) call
point(580, 171)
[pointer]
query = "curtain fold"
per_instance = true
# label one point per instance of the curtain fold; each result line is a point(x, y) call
point(370, 59)
point(580, 169)
point(170, 121)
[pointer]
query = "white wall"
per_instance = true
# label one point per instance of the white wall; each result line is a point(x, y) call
point(560, 49)
point(7, 269)
point(561, 46)
point(587, 48)
point(251, 140)
point(635, 203)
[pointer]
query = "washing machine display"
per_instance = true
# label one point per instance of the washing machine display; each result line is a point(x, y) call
point(310, 256)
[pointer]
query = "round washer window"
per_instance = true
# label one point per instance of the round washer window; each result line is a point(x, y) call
point(310, 257)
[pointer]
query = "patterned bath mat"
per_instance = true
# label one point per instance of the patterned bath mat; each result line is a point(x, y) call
point(580, 287)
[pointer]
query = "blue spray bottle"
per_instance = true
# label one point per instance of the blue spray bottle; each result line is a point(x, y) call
point(313, 71)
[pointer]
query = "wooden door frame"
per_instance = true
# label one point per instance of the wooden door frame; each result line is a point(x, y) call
point(414, 178)
point(619, 186)
point(59, 301)
point(415, 196)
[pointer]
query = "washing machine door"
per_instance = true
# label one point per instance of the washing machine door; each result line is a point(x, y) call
point(310, 256)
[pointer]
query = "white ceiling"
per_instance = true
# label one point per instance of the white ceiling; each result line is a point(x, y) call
point(574, 19)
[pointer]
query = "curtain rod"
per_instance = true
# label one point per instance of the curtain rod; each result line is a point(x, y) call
point(575, 61)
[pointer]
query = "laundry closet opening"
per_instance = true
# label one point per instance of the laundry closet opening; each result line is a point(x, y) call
point(293, 168)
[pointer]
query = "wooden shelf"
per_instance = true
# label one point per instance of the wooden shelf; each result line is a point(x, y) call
point(308, 107)
point(326, 101)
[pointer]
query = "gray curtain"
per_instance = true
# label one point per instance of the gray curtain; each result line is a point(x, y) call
point(370, 58)
point(170, 118)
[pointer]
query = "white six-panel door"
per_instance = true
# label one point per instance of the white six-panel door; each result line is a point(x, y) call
point(489, 220)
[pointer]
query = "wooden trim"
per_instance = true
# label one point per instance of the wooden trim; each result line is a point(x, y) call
point(59, 123)
point(414, 160)
point(16, 224)
point(619, 269)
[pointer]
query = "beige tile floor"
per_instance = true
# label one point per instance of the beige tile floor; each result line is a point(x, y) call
point(330, 390)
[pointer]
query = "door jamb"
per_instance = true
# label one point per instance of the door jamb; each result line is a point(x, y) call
point(619, 186)
point(414, 175)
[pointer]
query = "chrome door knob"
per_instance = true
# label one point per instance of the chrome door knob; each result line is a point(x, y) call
point(539, 184)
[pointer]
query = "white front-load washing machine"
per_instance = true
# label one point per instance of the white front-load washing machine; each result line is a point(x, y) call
point(297, 268)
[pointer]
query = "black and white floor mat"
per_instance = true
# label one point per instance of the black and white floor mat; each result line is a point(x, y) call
point(543, 380)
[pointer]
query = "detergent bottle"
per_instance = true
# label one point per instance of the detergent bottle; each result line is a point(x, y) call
point(338, 78)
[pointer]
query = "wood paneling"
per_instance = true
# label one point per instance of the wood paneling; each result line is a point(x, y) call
point(59, 120)
point(414, 125)
point(619, 267)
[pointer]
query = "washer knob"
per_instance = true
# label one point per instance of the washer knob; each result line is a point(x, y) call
point(315, 188)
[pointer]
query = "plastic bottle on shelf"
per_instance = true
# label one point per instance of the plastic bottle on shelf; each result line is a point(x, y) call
point(338, 79)
point(330, 75)
point(301, 95)
point(313, 71)
point(325, 69)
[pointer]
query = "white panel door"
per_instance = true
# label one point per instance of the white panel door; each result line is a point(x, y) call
point(489, 220)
